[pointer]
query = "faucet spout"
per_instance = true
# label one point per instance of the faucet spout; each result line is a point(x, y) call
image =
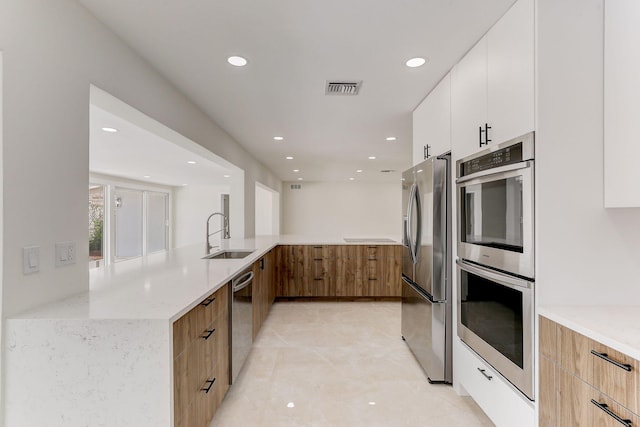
point(224, 230)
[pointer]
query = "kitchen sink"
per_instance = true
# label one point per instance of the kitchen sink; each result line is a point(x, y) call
point(228, 254)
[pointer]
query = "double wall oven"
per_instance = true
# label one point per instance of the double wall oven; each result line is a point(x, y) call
point(495, 266)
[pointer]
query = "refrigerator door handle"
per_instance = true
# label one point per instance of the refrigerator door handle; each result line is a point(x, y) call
point(418, 242)
point(409, 222)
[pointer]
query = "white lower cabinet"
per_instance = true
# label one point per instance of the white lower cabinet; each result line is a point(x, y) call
point(502, 403)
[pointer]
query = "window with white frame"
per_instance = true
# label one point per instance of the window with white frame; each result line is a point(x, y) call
point(135, 223)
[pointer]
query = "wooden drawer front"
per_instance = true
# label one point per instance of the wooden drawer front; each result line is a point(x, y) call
point(191, 325)
point(616, 376)
point(548, 393)
point(574, 407)
point(548, 338)
point(186, 383)
point(574, 352)
point(611, 415)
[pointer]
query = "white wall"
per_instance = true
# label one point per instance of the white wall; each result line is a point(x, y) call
point(586, 254)
point(348, 209)
point(267, 211)
point(53, 51)
point(192, 207)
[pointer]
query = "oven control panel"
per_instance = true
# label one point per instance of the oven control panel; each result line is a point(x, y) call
point(501, 157)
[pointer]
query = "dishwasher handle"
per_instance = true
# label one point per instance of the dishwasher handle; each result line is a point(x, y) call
point(244, 281)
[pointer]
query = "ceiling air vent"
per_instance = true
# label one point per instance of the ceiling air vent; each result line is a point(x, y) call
point(343, 88)
point(387, 171)
point(296, 186)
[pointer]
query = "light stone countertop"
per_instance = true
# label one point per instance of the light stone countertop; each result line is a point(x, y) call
point(615, 326)
point(168, 284)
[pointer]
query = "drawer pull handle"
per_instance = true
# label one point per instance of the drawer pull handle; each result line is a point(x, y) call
point(609, 412)
point(605, 356)
point(208, 388)
point(207, 302)
point(208, 334)
point(484, 372)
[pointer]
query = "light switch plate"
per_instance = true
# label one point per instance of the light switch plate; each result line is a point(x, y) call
point(30, 259)
point(65, 253)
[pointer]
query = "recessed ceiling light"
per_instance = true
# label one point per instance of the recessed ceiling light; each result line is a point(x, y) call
point(372, 157)
point(415, 62)
point(237, 61)
point(372, 403)
point(291, 405)
point(351, 179)
point(391, 138)
point(111, 130)
point(359, 171)
point(191, 162)
point(299, 179)
point(278, 138)
point(296, 170)
point(147, 176)
point(289, 158)
point(227, 176)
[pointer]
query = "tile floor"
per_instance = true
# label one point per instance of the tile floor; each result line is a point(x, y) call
point(339, 364)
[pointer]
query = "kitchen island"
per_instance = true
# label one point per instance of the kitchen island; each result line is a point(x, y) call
point(105, 357)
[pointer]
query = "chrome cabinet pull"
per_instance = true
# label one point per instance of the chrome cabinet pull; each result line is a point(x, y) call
point(484, 372)
point(605, 356)
point(207, 302)
point(208, 388)
point(609, 412)
point(208, 334)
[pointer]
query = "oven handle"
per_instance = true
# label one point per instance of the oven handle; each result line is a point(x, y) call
point(495, 171)
point(503, 279)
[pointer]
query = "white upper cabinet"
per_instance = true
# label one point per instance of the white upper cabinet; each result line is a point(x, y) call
point(510, 73)
point(432, 122)
point(621, 103)
point(492, 87)
point(469, 100)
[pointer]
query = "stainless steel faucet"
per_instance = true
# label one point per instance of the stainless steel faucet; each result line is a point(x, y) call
point(224, 230)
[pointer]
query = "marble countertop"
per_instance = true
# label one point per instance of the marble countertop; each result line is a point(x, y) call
point(615, 326)
point(167, 285)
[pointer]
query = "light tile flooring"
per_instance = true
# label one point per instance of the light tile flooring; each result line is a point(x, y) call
point(339, 364)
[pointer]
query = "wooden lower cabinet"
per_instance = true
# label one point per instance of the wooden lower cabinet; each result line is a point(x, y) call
point(201, 360)
point(263, 290)
point(339, 271)
point(579, 388)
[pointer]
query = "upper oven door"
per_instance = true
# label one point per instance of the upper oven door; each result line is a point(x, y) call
point(495, 218)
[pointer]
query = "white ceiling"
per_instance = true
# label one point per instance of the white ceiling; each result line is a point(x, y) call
point(293, 48)
point(134, 152)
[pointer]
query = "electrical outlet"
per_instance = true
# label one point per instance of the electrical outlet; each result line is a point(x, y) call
point(65, 253)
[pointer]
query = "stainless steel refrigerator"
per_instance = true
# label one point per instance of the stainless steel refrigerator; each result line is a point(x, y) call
point(426, 265)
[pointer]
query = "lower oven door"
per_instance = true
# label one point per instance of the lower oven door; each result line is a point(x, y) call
point(496, 319)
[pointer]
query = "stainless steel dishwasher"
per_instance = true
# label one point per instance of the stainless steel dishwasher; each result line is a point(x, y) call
point(241, 321)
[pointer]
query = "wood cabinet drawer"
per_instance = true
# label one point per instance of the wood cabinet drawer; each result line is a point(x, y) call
point(615, 374)
point(573, 404)
point(548, 392)
point(548, 338)
point(605, 412)
point(574, 356)
point(191, 325)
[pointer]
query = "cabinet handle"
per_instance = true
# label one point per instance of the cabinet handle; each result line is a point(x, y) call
point(208, 334)
point(207, 302)
point(486, 134)
point(208, 388)
point(609, 412)
point(426, 151)
point(484, 372)
point(605, 356)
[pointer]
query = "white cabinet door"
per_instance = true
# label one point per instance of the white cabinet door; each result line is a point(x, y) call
point(469, 100)
point(621, 103)
point(510, 75)
point(432, 122)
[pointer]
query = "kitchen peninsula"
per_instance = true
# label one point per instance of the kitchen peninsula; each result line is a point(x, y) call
point(106, 357)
